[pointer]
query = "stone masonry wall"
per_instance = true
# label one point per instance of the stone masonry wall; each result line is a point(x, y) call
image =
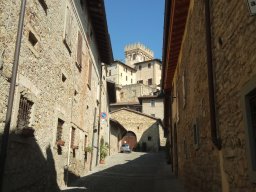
point(130, 93)
point(40, 78)
point(198, 165)
point(233, 37)
point(141, 125)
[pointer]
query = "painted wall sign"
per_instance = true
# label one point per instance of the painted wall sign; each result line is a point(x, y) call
point(103, 115)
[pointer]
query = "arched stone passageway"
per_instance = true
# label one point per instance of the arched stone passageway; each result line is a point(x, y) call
point(131, 139)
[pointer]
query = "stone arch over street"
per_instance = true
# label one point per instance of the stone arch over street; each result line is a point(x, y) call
point(143, 131)
point(131, 139)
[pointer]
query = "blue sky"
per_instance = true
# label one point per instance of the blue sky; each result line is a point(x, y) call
point(131, 21)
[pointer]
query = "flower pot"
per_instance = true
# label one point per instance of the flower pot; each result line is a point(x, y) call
point(60, 143)
point(74, 147)
point(102, 161)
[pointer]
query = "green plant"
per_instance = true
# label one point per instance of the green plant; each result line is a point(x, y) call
point(103, 149)
point(88, 149)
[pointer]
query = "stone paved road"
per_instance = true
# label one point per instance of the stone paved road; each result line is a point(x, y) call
point(133, 172)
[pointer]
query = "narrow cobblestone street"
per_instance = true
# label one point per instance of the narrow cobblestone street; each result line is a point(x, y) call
point(134, 172)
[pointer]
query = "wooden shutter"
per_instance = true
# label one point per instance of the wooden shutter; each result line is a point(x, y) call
point(79, 48)
point(68, 29)
point(72, 144)
point(59, 129)
point(90, 73)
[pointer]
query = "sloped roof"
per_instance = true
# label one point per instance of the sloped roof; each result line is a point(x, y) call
point(121, 63)
point(148, 61)
point(176, 12)
point(137, 112)
point(98, 19)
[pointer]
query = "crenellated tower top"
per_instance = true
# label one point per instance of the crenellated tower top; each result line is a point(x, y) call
point(137, 52)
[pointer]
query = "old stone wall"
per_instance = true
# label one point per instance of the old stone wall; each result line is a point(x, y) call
point(202, 166)
point(157, 110)
point(141, 125)
point(197, 164)
point(233, 40)
point(59, 89)
point(130, 93)
point(154, 72)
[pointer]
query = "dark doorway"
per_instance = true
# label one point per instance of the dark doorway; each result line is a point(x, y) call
point(131, 139)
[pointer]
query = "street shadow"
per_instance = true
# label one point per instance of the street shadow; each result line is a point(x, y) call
point(27, 169)
point(142, 174)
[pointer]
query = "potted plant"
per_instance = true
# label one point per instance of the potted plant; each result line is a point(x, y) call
point(74, 146)
point(88, 149)
point(103, 151)
point(60, 143)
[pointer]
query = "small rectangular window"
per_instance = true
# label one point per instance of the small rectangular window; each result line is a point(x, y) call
point(152, 103)
point(126, 78)
point(150, 81)
point(149, 138)
point(149, 65)
point(63, 77)
point(140, 82)
point(109, 73)
point(44, 5)
point(139, 67)
point(59, 130)
point(32, 39)
point(131, 80)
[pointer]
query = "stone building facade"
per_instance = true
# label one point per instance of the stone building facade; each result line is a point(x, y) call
point(57, 91)
point(145, 128)
point(149, 73)
point(121, 73)
point(209, 82)
point(137, 52)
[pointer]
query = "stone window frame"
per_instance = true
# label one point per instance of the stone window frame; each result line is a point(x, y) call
point(25, 92)
point(67, 32)
point(250, 140)
point(34, 49)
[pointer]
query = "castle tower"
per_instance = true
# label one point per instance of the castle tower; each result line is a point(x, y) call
point(137, 52)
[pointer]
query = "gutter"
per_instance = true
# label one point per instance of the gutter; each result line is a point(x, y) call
point(214, 130)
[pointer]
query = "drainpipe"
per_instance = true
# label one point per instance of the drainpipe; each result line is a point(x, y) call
point(5, 137)
point(100, 102)
point(214, 131)
point(93, 137)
